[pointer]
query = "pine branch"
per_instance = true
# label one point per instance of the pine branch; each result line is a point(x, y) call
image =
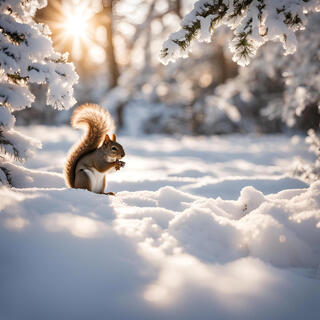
point(14, 37)
point(5, 142)
point(7, 175)
point(62, 58)
point(217, 8)
point(17, 78)
point(253, 22)
point(239, 7)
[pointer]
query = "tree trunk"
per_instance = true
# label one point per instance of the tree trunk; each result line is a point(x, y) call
point(111, 57)
point(113, 66)
point(178, 8)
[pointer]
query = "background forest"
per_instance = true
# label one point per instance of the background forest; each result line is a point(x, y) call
point(115, 47)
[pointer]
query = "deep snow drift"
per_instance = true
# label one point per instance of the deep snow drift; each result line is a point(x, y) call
point(201, 228)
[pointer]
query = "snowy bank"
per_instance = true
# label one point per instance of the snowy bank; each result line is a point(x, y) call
point(219, 233)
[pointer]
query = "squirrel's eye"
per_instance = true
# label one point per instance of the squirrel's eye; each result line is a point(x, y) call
point(114, 149)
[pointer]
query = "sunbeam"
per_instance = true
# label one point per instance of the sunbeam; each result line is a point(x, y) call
point(72, 23)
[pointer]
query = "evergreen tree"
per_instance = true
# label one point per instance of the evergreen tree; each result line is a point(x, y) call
point(26, 57)
point(254, 22)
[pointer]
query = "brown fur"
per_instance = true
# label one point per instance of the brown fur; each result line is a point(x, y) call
point(98, 123)
point(82, 181)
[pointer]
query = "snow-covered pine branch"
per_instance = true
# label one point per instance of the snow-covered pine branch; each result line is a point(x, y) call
point(306, 170)
point(254, 22)
point(27, 56)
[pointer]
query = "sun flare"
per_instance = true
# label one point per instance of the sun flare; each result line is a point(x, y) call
point(76, 25)
point(73, 24)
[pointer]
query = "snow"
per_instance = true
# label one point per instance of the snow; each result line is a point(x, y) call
point(201, 228)
point(7, 119)
point(253, 22)
point(34, 59)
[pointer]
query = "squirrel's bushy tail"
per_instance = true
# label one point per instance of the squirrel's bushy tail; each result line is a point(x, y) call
point(98, 122)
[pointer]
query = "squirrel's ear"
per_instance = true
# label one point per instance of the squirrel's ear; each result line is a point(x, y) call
point(114, 138)
point(106, 139)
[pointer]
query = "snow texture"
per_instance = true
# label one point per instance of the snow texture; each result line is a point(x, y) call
point(201, 228)
point(253, 23)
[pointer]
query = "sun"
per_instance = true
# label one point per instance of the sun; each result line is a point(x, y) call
point(73, 26)
point(76, 25)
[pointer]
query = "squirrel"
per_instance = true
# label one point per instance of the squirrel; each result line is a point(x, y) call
point(96, 154)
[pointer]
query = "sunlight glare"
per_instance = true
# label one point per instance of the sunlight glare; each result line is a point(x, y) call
point(76, 25)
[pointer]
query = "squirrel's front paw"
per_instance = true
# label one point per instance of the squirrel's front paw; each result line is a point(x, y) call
point(119, 164)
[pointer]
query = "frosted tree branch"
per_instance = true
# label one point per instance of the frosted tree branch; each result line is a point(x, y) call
point(254, 22)
point(27, 57)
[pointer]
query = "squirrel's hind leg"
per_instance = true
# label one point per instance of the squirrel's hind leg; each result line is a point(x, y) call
point(109, 193)
point(82, 181)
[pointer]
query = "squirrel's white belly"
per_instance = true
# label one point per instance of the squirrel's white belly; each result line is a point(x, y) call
point(96, 180)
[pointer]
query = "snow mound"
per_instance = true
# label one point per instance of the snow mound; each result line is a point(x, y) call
point(279, 230)
point(74, 252)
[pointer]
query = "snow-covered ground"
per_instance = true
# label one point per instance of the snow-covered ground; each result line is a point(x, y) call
point(201, 228)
